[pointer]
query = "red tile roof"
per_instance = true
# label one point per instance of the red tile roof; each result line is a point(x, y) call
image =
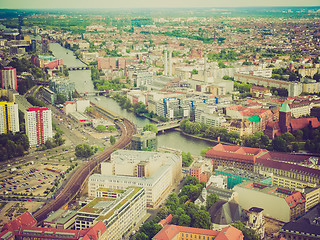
point(287, 166)
point(94, 233)
point(25, 220)
point(166, 221)
point(171, 231)
point(236, 153)
point(300, 123)
point(285, 157)
point(25, 224)
point(295, 199)
point(229, 233)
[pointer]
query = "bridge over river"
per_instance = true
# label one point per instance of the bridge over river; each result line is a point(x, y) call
point(78, 68)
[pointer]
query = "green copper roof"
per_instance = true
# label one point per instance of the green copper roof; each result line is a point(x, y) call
point(285, 107)
point(254, 118)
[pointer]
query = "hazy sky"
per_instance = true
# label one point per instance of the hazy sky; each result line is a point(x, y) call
point(150, 3)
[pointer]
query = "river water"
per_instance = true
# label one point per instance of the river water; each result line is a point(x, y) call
point(82, 79)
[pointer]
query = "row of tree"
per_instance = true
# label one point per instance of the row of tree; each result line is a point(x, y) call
point(207, 131)
point(85, 151)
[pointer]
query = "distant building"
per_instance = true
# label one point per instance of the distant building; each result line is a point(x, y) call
point(9, 117)
point(38, 125)
point(144, 140)
point(48, 95)
point(174, 232)
point(120, 210)
point(9, 78)
point(62, 86)
point(294, 88)
point(279, 203)
point(287, 124)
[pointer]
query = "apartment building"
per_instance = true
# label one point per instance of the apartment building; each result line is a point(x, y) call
point(9, 117)
point(38, 125)
point(8, 78)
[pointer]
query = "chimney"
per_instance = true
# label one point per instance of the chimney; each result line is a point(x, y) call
point(205, 75)
point(165, 63)
point(170, 63)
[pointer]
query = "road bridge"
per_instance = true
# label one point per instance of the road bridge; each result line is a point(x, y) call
point(93, 93)
point(78, 68)
point(167, 126)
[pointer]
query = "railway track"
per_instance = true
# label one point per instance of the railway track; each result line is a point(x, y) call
point(73, 186)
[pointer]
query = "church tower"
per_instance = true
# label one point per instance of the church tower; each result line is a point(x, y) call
point(284, 118)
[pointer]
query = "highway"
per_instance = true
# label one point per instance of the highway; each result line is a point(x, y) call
point(75, 183)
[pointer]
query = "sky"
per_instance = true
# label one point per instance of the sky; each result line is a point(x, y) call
point(22, 4)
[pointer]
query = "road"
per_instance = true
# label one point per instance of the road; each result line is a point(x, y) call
point(75, 183)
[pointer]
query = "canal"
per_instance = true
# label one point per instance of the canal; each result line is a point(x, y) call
point(83, 83)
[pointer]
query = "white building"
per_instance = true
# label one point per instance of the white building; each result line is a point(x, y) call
point(207, 114)
point(121, 211)
point(38, 125)
point(8, 78)
point(156, 172)
point(9, 117)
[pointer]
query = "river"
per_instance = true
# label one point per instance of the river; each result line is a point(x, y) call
point(83, 83)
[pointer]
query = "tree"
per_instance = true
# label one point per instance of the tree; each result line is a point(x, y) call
point(288, 137)
point(279, 144)
point(101, 128)
point(112, 140)
point(186, 159)
point(111, 128)
point(204, 151)
point(211, 199)
point(150, 127)
point(194, 71)
point(140, 236)
point(84, 150)
point(150, 229)
point(184, 220)
point(61, 99)
point(248, 234)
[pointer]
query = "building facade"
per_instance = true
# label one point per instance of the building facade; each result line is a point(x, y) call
point(9, 78)
point(38, 125)
point(144, 140)
point(9, 117)
point(156, 172)
point(120, 210)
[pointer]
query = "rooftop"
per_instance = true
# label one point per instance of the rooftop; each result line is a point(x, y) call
point(105, 207)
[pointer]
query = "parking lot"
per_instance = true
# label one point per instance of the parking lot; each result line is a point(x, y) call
point(34, 180)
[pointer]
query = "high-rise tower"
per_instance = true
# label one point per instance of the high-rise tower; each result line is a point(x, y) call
point(9, 117)
point(38, 125)
point(8, 78)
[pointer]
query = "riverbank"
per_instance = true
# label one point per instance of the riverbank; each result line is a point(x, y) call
point(203, 139)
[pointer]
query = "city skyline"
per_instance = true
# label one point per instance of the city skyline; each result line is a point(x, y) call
point(21, 4)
